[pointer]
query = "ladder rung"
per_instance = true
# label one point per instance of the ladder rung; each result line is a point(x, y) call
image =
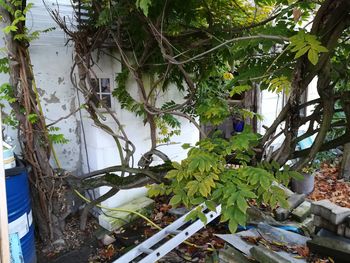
point(173, 232)
point(145, 250)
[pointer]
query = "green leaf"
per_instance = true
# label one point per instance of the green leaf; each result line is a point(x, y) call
point(240, 217)
point(192, 187)
point(11, 28)
point(211, 205)
point(27, 8)
point(186, 146)
point(202, 217)
point(320, 48)
point(176, 199)
point(176, 165)
point(296, 175)
point(144, 5)
point(266, 197)
point(282, 201)
point(232, 198)
point(197, 201)
point(239, 89)
point(312, 55)
point(192, 215)
point(232, 226)
point(248, 194)
point(241, 203)
point(203, 189)
point(301, 52)
point(171, 174)
point(264, 182)
point(202, 166)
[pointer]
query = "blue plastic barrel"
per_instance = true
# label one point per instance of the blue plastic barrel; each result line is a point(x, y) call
point(20, 215)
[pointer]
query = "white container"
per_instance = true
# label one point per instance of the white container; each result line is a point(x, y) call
point(9, 157)
point(305, 186)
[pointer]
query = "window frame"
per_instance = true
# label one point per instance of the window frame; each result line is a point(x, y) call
point(100, 93)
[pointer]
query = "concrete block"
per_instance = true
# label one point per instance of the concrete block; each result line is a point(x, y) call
point(295, 200)
point(326, 233)
point(308, 226)
point(330, 211)
point(341, 229)
point(302, 211)
point(334, 248)
point(347, 220)
point(347, 232)
point(100, 232)
point(264, 255)
point(323, 223)
point(232, 255)
point(112, 220)
point(107, 240)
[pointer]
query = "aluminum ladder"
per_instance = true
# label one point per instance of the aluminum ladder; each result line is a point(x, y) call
point(173, 232)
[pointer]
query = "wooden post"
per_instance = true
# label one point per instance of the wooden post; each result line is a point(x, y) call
point(4, 231)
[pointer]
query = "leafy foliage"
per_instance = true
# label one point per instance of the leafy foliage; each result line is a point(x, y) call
point(125, 99)
point(14, 7)
point(144, 5)
point(57, 138)
point(302, 43)
point(279, 84)
point(204, 177)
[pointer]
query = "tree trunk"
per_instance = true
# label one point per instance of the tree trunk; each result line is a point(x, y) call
point(33, 134)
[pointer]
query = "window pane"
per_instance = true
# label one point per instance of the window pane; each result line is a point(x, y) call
point(107, 100)
point(94, 83)
point(105, 85)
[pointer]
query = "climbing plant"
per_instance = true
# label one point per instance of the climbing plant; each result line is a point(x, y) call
point(209, 51)
point(26, 115)
point(205, 177)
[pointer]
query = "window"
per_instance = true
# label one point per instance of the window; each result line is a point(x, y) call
point(103, 89)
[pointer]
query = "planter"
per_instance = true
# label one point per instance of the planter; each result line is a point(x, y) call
point(305, 186)
point(238, 126)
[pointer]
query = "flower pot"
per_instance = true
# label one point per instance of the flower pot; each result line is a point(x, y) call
point(304, 186)
point(238, 126)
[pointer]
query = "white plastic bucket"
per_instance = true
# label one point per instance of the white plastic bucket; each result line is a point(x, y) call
point(305, 186)
point(9, 157)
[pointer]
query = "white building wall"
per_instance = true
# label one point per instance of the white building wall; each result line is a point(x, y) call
point(52, 60)
point(272, 104)
point(101, 148)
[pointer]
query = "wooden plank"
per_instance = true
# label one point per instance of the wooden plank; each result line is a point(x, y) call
point(4, 231)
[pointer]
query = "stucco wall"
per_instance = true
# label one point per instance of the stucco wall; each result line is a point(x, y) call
point(101, 148)
point(52, 62)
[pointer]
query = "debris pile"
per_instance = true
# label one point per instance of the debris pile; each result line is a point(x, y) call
point(266, 243)
point(318, 226)
point(329, 186)
point(332, 217)
point(332, 223)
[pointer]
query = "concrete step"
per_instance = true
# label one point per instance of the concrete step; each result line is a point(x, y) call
point(302, 211)
point(295, 200)
point(112, 220)
point(334, 248)
point(330, 211)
